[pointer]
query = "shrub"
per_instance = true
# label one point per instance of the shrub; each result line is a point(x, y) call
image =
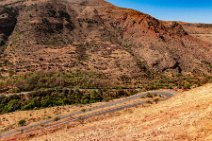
point(22, 122)
point(56, 118)
point(149, 95)
point(14, 90)
point(11, 106)
point(95, 96)
point(31, 104)
point(83, 110)
point(156, 100)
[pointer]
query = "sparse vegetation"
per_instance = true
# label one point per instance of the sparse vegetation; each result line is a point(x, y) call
point(50, 98)
point(178, 81)
point(210, 66)
point(149, 95)
point(56, 118)
point(78, 88)
point(38, 80)
point(22, 122)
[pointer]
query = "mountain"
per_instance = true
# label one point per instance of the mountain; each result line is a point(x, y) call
point(94, 36)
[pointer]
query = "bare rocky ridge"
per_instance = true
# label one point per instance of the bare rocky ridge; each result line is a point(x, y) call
point(201, 31)
point(93, 35)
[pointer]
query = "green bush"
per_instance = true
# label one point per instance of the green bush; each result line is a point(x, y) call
point(95, 96)
point(58, 98)
point(11, 106)
point(22, 122)
point(31, 104)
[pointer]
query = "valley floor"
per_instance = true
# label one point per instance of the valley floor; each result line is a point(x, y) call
point(187, 116)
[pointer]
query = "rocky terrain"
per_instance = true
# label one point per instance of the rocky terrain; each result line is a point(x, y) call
point(201, 31)
point(69, 35)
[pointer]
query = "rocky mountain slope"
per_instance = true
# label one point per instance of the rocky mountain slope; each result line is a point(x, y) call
point(201, 31)
point(93, 35)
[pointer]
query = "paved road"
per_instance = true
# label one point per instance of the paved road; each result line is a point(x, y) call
point(108, 107)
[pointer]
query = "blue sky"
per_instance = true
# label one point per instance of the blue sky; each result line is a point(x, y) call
point(196, 11)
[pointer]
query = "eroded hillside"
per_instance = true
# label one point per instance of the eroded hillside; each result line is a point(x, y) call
point(124, 45)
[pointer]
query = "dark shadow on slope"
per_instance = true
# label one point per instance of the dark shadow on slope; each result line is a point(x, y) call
point(8, 20)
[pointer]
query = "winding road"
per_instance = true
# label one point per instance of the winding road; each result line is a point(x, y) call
point(109, 107)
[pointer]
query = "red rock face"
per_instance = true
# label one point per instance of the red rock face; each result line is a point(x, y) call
point(95, 35)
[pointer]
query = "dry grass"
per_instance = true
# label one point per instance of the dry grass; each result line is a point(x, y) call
point(10, 120)
point(184, 117)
